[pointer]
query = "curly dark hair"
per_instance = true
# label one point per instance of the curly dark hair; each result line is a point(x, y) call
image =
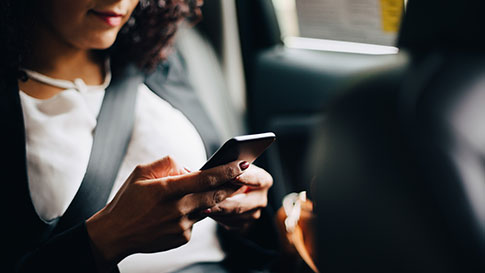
point(145, 39)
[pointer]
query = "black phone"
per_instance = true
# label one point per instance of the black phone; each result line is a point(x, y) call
point(246, 147)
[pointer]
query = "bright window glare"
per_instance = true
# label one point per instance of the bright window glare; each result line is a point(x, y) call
point(363, 26)
point(338, 46)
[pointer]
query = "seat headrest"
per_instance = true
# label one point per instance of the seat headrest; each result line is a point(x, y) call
point(442, 24)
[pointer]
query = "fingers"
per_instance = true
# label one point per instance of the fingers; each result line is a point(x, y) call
point(255, 177)
point(195, 202)
point(167, 166)
point(240, 203)
point(178, 232)
point(221, 202)
point(239, 221)
point(200, 181)
point(239, 211)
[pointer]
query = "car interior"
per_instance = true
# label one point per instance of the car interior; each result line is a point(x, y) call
point(390, 147)
point(400, 184)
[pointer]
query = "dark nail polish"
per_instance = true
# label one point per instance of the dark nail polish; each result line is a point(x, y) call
point(244, 165)
point(207, 211)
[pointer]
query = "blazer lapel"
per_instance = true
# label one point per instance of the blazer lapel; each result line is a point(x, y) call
point(26, 227)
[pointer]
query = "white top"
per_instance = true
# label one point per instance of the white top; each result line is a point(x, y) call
point(59, 136)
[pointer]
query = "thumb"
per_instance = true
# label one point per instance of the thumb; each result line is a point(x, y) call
point(167, 166)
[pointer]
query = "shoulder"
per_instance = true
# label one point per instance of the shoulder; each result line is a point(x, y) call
point(170, 81)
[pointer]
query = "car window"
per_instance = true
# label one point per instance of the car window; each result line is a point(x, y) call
point(370, 22)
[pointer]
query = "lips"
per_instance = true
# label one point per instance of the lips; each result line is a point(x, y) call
point(111, 18)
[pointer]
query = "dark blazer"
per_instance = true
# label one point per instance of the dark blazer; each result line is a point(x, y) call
point(34, 248)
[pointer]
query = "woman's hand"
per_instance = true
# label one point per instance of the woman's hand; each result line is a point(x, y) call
point(156, 208)
point(244, 207)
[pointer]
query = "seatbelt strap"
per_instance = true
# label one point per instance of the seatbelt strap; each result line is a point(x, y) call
point(110, 142)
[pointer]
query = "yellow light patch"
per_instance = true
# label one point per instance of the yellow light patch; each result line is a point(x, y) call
point(391, 11)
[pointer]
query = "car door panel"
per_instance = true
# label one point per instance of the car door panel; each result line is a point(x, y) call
point(287, 88)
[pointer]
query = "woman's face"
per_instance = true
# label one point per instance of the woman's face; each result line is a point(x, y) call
point(86, 24)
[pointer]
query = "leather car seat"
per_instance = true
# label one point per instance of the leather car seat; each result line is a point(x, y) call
point(214, 67)
point(399, 161)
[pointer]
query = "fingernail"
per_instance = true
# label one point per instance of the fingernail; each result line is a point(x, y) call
point(244, 165)
point(247, 189)
point(207, 211)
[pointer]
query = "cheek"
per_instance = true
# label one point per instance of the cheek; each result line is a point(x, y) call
point(77, 26)
point(69, 21)
point(132, 4)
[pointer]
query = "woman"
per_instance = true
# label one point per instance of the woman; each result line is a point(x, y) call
point(62, 53)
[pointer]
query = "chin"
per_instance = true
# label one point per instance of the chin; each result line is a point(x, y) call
point(102, 41)
point(101, 46)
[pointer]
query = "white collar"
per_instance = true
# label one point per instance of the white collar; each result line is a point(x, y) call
point(78, 84)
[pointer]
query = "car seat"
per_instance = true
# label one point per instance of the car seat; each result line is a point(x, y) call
point(399, 161)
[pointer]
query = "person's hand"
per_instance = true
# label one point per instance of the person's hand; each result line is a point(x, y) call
point(156, 208)
point(244, 206)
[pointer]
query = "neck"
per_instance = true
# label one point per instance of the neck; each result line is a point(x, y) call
point(56, 58)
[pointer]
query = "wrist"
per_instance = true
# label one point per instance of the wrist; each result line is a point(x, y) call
point(104, 242)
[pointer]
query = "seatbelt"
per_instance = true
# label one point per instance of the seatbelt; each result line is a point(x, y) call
point(110, 142)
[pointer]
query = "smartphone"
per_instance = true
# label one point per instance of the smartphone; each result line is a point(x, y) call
point(246, 147)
